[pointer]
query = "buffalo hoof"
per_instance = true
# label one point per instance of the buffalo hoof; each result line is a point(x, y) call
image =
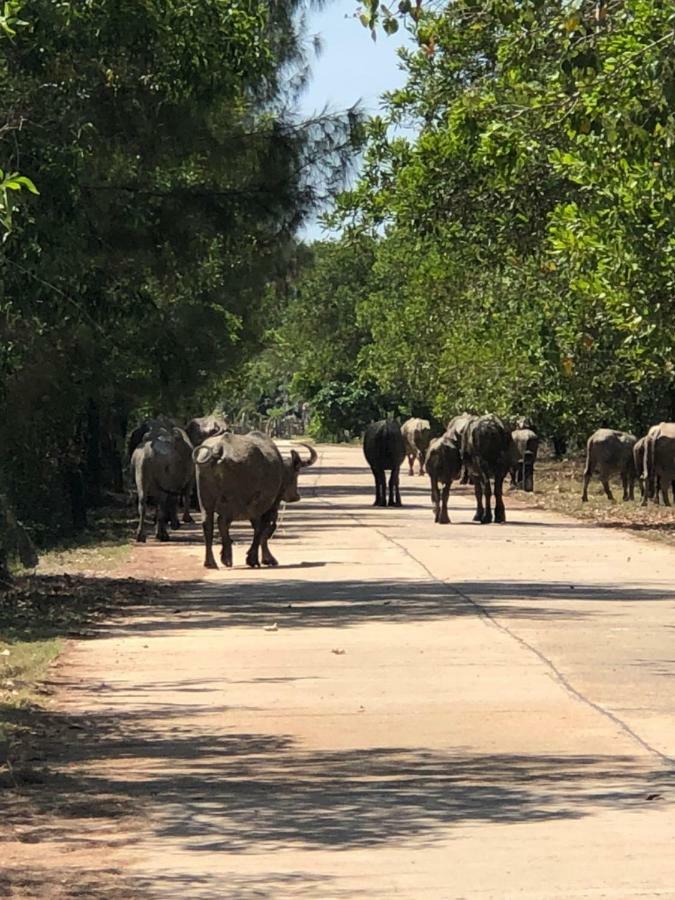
point(584, 499)
point(270, 561)
point(252, 561)
point(163, 538)
point(210, 564)
point(478, 518)
point(175, 524)
point(395, 503)
point(444, 520)
point(500, 518)
point(140, 538)
point(188, 520)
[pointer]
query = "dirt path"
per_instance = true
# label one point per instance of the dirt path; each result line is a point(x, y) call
point(458, 712)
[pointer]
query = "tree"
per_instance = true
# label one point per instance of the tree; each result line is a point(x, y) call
point(529, 222)
point(173, 176)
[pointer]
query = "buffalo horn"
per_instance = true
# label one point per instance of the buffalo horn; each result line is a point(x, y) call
point(313, 456)
point(201, 455)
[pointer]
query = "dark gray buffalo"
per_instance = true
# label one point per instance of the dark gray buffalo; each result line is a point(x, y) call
point(610, 452)
point(444, 465)
point(454, 431)
point(136, 438)
point(244, 477)
point(526, 444)
point(488, 453)
point(659, 462)
point(384, 450)
point(416, 436)
point(162, 468)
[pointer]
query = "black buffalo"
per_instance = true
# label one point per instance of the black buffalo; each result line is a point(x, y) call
point(489, 454)
point(384, 450)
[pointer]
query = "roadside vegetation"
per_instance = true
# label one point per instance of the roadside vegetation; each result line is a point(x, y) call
point(509, 246)
point(558, 488)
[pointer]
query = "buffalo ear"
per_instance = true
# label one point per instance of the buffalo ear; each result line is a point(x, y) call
point(296, 460)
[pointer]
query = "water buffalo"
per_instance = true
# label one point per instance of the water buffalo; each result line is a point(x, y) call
point(659, 462)
point(244, 477)
point(162, 468)
point(444, 465)
point(454, 431)
point(526, 444)
point(416, 436)
point(384, 450)
point(136, 438)
point(199, 429)
point(610, 453)
point(488, 453)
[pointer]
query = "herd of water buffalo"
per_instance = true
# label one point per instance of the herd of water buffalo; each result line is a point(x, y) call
point(485, 450)
point(237, 477)
point(247, 477)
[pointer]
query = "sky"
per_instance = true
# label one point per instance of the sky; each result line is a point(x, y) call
point(351, 67)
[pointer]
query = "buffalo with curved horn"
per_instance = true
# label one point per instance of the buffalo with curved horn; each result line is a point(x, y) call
point(244, 476)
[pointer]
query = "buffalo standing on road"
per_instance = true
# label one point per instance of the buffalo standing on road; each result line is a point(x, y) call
point(454, 432)
point(488, 453)
point(243, 476)
point(526, 444)
point(444, 465)
point(416, 436)
point(610, 453)
point(162, 468)
point(384, 450)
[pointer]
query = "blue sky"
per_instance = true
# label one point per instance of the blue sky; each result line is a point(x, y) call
point(351, 67)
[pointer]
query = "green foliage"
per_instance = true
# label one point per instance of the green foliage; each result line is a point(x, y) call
point(525, 259)
point(173, 176)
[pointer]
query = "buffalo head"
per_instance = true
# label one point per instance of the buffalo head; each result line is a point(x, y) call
point(292, 467)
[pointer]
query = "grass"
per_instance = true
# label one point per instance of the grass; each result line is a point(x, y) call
point(103, 547)
point(558, 487)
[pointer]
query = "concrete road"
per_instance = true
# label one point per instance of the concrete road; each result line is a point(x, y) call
point(399, 710)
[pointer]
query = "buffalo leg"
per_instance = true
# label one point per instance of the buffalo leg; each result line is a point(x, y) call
point(664, 492)
point(253, 555)
point(394, 491)
point(487, 515)
point(226, 550)
point(478, 491)
point(380, 488)
point(435, 499)
point(500, 512)
point(209, 560)
point(466, 478)
point(187, 496)
point(444, 518)
point(624, 485)
point(411, 463)
point(163, 514)
point(588, 474)
point(421, 457)
point(172, 510)
point(142, 509)
point(269, 527)
point(607, 489)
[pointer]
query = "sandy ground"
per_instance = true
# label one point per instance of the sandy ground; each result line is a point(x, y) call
point(399, 710)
